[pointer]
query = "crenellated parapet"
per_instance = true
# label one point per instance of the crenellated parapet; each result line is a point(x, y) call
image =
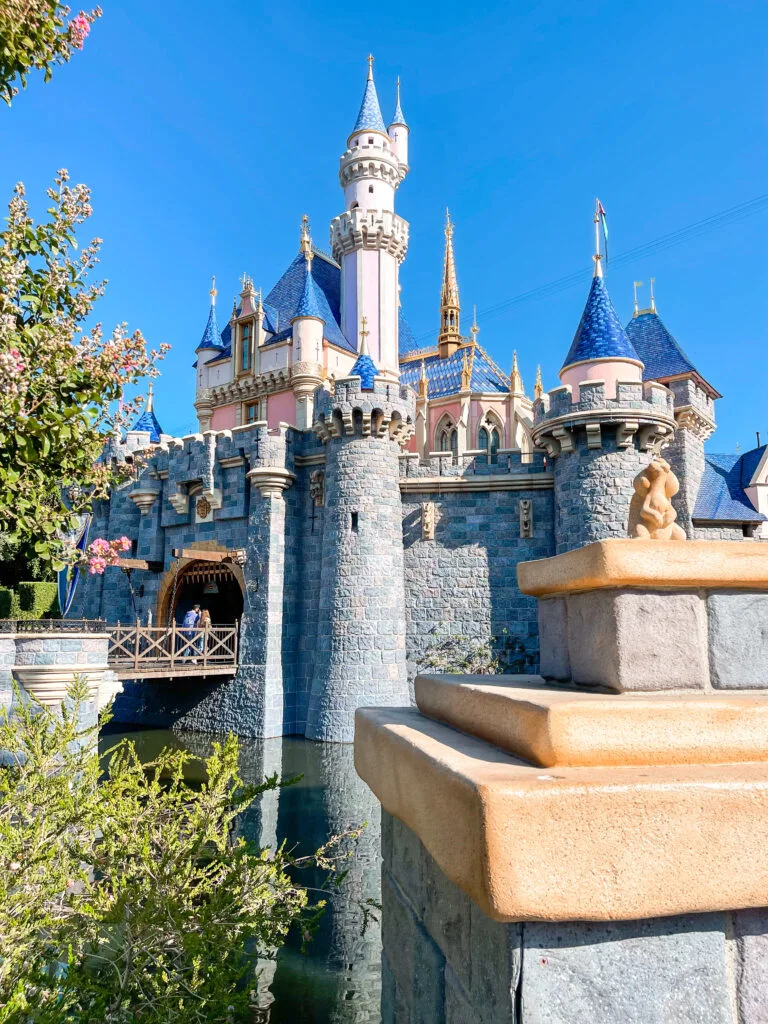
point(388, 411)
point(374, 157)
point(369, 229)
point(641, 415)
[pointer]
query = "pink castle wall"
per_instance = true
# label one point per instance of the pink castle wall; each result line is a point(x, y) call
point(224, 418)
point(281, 408)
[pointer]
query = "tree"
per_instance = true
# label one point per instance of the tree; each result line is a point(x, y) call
point(130, 898)
point(35, 35)
point(61, 384)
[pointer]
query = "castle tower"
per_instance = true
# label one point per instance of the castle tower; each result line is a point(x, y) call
point(209, 348)
point(369, 240)
point(308, 323)
point(449, 338)
point(360, 656)
point(602, 426)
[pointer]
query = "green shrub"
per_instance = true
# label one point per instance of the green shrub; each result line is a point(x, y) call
point(6, 602)
point(38, 600)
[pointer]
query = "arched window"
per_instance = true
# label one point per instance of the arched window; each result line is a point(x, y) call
point(447, 437)
point(489, 441)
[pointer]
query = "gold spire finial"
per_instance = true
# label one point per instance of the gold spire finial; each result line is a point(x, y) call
point(449, 337)
point(305, 239)
point(465, 372)
point(370, 67)
point(213, 293)
point(538, 388)
point(150, 397)
point(515, 380)
point(636, 285)
point(597, 256)
point(423, 381)
point(364, 332)
point(653, 300)
point(234, 309)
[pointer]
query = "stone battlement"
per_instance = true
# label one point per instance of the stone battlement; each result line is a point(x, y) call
point(369, 229)
point(387, 410)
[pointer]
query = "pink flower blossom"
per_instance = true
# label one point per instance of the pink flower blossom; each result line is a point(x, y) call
point(125, 544)
point(79, 28)
point(96, 566)
point(100, 546)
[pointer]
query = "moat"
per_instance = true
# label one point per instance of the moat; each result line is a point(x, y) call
point(338, 979)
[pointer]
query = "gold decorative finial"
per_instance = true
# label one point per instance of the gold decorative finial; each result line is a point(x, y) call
point(305, 242)
point(234, 309)
point(150, 397)
point(423, 381)
point(247, 282)
point(449, 337)
point(370, 67)
point(538, 388)
point(364, 332)
point(597, 256)
point(465, 372)
point(515, 380)
point(213, 293)
point(637, 284)
point(474, 329)
point(653, 300)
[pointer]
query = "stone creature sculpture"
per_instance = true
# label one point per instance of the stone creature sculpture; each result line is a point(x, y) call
point(651, 515)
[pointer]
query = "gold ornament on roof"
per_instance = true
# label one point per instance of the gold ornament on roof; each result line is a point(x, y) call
point(515, 380)
point(538, 388)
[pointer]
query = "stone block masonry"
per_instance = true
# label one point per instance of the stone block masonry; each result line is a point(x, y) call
point(445, 962)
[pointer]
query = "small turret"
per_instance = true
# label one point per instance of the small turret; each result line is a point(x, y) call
point(308, 324)
point(146, 424)
point(210, 343)
point(364, 367)
point(399, 132)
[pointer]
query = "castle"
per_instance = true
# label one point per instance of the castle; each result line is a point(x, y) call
point(381, 495)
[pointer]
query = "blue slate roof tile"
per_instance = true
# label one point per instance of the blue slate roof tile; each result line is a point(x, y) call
point(369, 118)
point(722, 496)
point(210, 338)
point(365, 369)
point(286, 295)
point(600, 334)
point(657, 348)
point(311, 303)
point(148, 422)
point(444, 375)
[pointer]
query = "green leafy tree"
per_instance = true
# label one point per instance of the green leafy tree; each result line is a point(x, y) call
point(60, 382)
point(37, 35)
point(130, 898)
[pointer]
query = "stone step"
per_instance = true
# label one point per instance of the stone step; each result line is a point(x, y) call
point(549, 725)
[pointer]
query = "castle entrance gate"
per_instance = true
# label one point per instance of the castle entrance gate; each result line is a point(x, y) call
point(217, 586)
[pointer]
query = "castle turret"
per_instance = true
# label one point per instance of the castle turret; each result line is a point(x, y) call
point(602, 426)
point(360, 659)
point(308, 324)
point(449, 338)
point(209, 348)
point(399, 131)
point(369, 240)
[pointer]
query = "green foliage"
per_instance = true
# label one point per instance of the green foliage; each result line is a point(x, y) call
point(6, 603)
point(34, 34)
point(18, 562)
point(130, 897)
point(59, 382)
point(38, 600)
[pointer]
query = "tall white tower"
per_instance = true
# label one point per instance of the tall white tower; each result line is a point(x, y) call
point(369, 240)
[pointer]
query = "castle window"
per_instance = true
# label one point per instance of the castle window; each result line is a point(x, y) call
point(370, 188)
point(370, 142)
point(251, 413)
point(489, 441)
point(449, 440)
point(354, 521)
point(245, 347)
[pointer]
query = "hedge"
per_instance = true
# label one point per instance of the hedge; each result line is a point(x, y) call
point(32, 601)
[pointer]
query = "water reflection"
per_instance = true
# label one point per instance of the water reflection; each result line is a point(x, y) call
point(338, 980)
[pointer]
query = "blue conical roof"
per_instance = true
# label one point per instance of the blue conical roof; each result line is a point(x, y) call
point(600, 334)
point(369, 118)
point(310, 303)
point(148, 422)
point(211, 337)
point(365, 369)
point(398, 117)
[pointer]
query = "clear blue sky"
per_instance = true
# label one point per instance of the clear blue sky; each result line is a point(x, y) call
point(206, 130)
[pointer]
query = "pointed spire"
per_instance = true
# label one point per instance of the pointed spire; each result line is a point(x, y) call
point(369, 118)
point(636, 285)
point(147, 422)
point(449, 337)
point(211, 337)
point(600, 334)
point(398, 116)
point(538, 388)
point(466, 373)
point(653, 300)
point(474, 329)
point(423, 381)
point(310, 303)
point(364, 367)
point(515, 380)
point(597, 255)
point(305, 239)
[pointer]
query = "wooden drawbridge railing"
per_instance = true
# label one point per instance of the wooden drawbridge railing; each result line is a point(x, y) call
point(151, 652)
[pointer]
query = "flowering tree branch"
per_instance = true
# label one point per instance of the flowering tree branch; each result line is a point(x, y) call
point(61, 382)
point(37, 35)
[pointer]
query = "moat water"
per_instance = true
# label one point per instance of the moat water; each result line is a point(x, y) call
point(338, 980)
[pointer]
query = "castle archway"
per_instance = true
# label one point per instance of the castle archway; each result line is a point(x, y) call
point(217, 586)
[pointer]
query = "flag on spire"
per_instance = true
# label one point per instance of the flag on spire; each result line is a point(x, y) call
point(601, 217)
